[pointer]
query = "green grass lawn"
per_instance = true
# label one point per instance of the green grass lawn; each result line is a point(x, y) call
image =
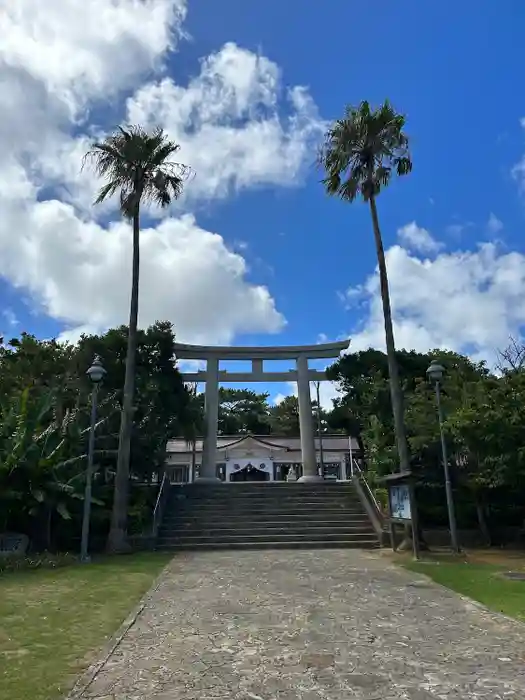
point(479, 578)
point(52, 623)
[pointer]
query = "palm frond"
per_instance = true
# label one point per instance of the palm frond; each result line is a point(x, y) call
point(362, 150)
point(403, 165)
point(107, 191)
point(137, 166)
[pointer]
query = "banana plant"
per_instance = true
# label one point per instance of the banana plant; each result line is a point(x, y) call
point(42, 454)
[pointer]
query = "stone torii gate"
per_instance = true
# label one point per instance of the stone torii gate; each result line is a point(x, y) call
point(303, 375)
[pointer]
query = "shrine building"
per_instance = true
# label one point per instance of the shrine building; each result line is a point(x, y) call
point(262, 458)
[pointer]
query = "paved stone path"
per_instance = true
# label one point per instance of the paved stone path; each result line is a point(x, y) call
point(333, 625)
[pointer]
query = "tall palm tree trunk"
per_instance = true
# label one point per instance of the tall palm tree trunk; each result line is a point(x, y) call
point(395, 385)
point(117, 539)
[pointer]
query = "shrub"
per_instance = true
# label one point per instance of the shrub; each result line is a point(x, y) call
point(381, 496)
point(44, 560)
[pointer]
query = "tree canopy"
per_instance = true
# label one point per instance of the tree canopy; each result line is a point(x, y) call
point(44, 422)
point(137, 165)
point(362, 151)
point(484, 415)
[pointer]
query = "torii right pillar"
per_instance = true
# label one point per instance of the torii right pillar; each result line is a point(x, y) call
point(306, 426)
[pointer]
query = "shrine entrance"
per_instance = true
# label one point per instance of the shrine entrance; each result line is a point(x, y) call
point(249, 473)
point(212, 376)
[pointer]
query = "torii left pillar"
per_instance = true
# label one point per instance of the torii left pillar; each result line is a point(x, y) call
point(208, 470)
point(306, 426)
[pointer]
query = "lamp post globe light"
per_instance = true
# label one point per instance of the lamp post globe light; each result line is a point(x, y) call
point(96, 374)
point(435, 372)
point(435, 375)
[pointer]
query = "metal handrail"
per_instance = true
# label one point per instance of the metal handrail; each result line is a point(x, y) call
point(355, 464)
point(157, 511)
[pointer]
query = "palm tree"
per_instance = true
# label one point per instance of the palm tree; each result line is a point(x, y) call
point(360, 154)
point(137, 165)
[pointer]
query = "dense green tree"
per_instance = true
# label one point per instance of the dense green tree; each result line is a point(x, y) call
point(243, 411)
point(363, 379)
point(483, 425)
point(161, 400)
point(460, 378)
point(137, 166)
point(41, 458)
point(284, 417)
point(487, 432)
point(364, 407)
point(361, 153)
point(44, 423)
point(27, 362)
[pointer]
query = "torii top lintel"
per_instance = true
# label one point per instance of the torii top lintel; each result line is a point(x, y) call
point(287, 352)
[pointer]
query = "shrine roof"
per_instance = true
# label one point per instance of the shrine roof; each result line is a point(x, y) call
point(332, 442)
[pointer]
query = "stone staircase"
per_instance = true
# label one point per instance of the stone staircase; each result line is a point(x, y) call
point(264, 516)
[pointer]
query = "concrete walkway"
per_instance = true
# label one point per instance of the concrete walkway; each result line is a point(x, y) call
point(284, 625)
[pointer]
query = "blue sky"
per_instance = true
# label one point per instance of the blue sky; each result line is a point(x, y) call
point(287, 265)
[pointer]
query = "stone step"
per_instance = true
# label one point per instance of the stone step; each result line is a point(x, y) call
point(262, 511)
point(267, 510)
point(264, 497)
point(298, 544)
point(268, 490)
point(270, 487)
point(264, 516)
point(327, 483)
point(233, 517)
point(247, 526)
point(264, 530)
point(251, 502)
point(242, 505)
point(215, 519)
point(248, 516)
point(276, 519)
point(273, 537)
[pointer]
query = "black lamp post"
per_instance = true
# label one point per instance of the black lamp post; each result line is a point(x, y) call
point(96, 373)
point(321, 450)
point(435, 375)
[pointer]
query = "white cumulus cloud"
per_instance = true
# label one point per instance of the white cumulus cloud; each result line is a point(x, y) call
point(229, 124)
point(69, 72)
point(79, 272)
point(468, 301)
point(77, 51)
point(418, 239)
